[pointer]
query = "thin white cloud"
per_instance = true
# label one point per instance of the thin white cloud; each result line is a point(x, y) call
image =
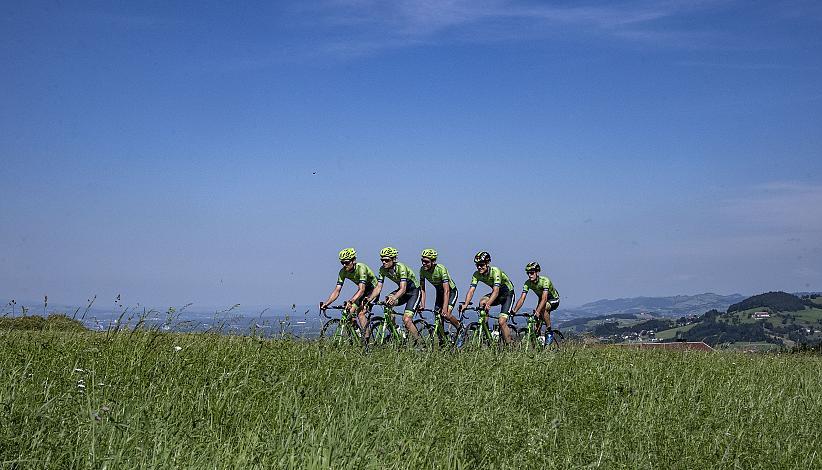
point(781, 205)
point(372, 25)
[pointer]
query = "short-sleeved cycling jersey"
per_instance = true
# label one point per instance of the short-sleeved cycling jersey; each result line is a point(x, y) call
point(541, 284)
point(494, 277)
point(399, 272)
point(361, 274)
point(437, 277)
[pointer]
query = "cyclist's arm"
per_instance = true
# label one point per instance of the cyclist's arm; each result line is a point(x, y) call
point(401, 290)
point(359, 293)
point(543, 300)
point(333, 296)
point(376, 293)
point(492, 297)
point(446, 294)
point(422, 292)
point(520, 301)
point(468, 296)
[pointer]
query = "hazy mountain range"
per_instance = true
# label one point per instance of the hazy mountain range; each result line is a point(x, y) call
point(674, 306)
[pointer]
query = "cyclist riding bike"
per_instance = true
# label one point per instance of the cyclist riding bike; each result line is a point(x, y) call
point(444, 286)
point(502, 291)
point(547, 293)
point(366, 281)
point(407, 291)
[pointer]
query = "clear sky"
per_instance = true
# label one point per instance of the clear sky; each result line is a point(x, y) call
point(177, 152)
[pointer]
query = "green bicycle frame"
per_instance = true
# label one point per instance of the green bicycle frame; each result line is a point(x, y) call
point(346, 332)
point(484, 333)
point(387, 326)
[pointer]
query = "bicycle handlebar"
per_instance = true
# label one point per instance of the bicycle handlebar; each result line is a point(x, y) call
point(331, 307)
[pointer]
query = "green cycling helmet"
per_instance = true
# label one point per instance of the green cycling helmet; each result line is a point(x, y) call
point(347, 254)
point(430, 253)
point(389, 252)
point(482, 257)
point(532, 266)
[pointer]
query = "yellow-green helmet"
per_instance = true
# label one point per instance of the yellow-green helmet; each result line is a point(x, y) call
point(532, 266)
point(430, 253)
point(347, 254)
point(389, 252)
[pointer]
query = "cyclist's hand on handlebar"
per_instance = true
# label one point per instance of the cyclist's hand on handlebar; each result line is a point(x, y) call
point(462, 307)
point(323, 306)
point(390, 300)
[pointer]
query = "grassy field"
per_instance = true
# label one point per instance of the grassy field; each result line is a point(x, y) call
point(156, 399)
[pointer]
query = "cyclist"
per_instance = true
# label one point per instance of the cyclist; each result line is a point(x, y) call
point(502, 291)
point(407, 291)
point(548, 297)
point(446, 290)
point(363, 276)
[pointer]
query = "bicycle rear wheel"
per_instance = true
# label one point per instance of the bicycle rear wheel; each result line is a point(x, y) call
point(552, 341)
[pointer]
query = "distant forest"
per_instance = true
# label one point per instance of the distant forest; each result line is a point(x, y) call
point(776, 301)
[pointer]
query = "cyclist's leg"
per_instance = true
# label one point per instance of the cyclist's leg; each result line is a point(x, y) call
point(363, 313)
point(411, 298)
point(446, 308)
point(506, 303)
point(484, 302)
point(549, 307)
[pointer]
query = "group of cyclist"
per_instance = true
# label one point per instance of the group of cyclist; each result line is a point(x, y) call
point(411, 292)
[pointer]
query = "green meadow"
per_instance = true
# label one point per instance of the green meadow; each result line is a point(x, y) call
point(164, 400)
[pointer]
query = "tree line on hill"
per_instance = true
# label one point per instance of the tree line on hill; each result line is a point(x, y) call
point(776, 301)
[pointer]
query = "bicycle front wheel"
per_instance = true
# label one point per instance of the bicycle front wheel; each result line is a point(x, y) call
point(475, 335)
point(380, 332)
point(333, 331)
point(425, 331)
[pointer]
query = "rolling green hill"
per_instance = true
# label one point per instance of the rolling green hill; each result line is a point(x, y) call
point(775, 318)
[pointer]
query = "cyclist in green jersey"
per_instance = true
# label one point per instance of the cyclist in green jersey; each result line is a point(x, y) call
point(545, 290)
point(502, 292)
point(363, 276)
point(407, 291)
point(446, 289)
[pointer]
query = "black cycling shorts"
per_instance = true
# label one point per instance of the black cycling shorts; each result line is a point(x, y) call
point(505, 299)
point(452, 298)
point(411, 298)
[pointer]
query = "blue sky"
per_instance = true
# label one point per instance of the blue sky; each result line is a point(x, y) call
point(222, 154)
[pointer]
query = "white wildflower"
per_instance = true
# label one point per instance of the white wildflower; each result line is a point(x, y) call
point(178, 348)
point(78, 370)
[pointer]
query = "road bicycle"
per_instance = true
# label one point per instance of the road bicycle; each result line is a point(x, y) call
point(528, 335)
point(384, 329)
point(343, 330)
point(444, 334)
point(478, 333)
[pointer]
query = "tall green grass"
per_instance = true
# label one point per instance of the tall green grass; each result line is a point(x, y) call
point(153, 399)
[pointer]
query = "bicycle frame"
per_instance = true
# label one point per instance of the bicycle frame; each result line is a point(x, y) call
point(531, 338)
point(347, 330)
point(484, 334)
point(439, 331)
point(387, 326)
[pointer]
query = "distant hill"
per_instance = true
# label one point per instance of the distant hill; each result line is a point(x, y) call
point(675, 306)
point(776, 301)
point(776, 318)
